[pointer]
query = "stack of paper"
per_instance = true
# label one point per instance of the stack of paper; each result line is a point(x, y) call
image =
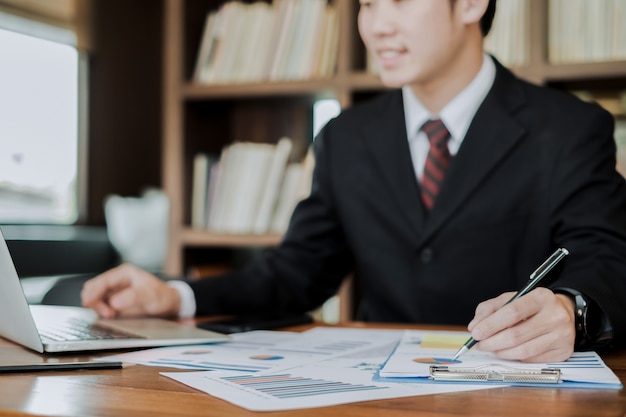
point(271, 371)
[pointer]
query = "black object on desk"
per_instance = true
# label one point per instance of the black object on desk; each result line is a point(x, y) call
point(246, 323)
point(59, 366)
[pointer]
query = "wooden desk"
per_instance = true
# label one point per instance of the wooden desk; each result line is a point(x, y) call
point(141, 391)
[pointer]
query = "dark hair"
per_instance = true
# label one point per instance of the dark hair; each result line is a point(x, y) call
point(487, 20)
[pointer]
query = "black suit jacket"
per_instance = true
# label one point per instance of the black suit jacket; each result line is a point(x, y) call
point(536, 171)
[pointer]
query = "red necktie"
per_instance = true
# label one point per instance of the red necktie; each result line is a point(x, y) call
point(437, 161)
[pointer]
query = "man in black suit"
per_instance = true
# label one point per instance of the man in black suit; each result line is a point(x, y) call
point(434, 232)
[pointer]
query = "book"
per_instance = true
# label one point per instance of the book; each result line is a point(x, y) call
point(273, 37)
point(313, 39)
point(250, 29)
point(330, 46)
point(308, 165)
point(620, 141)
point(242, 185)
point(234, 37)
point(260, 48)
point(275, 175)
point(214, 183)
point(218, 49)
point(217, 211)
point(287, 198)
point(302, 41)
point(508, 35)
point(233, 158)
point(252, 171)
point(208, 44)
point(285, 39)
point(199, 191)
point(226, 39)
point(618, 30)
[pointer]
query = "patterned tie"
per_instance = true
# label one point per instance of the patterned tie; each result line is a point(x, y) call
point(437, 161)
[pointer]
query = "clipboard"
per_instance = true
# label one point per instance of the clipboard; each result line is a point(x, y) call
point(421, 357)
point(495, 373)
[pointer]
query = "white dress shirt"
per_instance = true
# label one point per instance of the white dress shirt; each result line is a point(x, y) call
point(456, 115)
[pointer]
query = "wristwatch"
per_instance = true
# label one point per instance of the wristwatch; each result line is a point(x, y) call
point(591, 327)
point(580, 318)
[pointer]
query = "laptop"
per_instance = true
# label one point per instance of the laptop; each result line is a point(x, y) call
point(45, 328)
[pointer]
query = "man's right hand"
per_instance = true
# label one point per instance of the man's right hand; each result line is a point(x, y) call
point(127, 291)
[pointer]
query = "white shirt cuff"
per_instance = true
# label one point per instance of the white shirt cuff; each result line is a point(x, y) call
point(187, 299)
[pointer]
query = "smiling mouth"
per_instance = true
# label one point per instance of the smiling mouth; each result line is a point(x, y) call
point(389, 57)
point(389, 54)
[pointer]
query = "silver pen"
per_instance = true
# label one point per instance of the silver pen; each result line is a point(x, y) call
point(533, 281)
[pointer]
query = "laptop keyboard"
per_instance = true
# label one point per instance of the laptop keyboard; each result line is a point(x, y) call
point(76, 329)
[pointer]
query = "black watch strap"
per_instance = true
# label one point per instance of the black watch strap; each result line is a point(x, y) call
point(592, 328)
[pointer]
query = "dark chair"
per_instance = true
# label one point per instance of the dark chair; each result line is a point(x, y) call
point(72, 253)
point(66, 291)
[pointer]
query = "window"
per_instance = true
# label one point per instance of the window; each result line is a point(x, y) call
point(39, 128)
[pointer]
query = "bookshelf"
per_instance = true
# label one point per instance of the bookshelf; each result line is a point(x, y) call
point(205, 117)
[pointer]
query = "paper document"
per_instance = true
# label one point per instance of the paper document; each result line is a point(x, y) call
point(340, 378)
point(262, 350)
point(247, 352)
point(417, 351)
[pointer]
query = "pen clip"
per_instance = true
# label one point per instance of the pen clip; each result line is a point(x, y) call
point(549, 263)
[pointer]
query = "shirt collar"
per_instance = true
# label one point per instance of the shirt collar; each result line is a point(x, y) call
point(459, 112)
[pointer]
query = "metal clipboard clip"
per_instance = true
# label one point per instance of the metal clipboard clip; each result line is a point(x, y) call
point(495, 373)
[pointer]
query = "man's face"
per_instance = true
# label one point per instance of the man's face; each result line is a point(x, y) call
point(413, 41)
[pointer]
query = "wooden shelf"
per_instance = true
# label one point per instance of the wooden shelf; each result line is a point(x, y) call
point(196, 237)
point(363, 81)
point(195, 91)
point(203, 117)
point(587, 70)
point(358, 81)
point(353, 81)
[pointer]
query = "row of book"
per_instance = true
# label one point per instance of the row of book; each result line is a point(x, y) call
point(578, 31)
point(251, 188)
point(508, 38)
point(255, 42)
point(586, 31)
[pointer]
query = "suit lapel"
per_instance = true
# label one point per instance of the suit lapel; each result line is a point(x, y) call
point(491, 136)
point(387, 143)
point(494, 132)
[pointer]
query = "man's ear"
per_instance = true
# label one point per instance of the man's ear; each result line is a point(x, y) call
point(470, 11)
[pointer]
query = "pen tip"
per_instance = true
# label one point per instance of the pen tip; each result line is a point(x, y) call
point(460, 352)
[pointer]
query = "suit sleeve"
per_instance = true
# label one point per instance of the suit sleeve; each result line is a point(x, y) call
point(589, 218)
point(302, 272)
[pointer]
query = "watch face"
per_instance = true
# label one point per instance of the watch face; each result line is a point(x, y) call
point(581, 313)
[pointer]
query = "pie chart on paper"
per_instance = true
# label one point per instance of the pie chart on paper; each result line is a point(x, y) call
point(436, 361)
point(267, 357)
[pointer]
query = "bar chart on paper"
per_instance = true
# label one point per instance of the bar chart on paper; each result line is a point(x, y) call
point(339, 370)
point(293, 386)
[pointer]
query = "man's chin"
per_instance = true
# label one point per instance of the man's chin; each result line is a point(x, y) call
point(392, 80)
